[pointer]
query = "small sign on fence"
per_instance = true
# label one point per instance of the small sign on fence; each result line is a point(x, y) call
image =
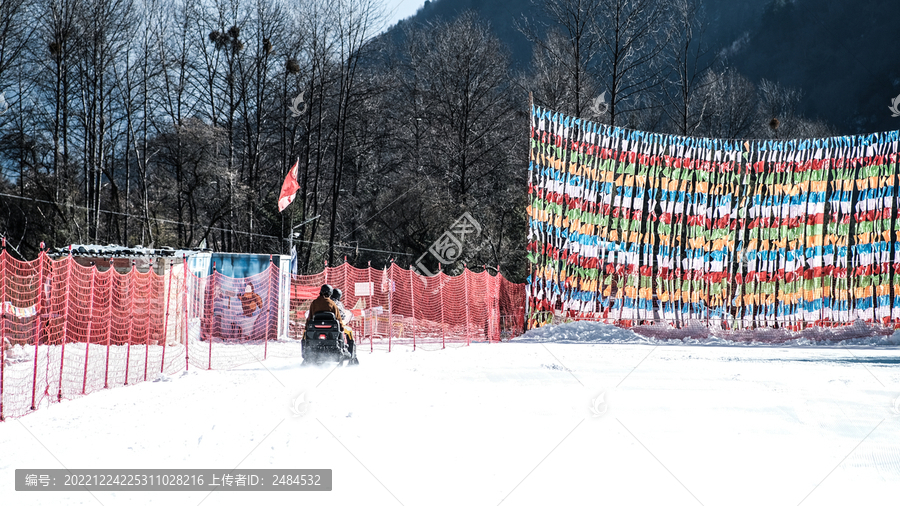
point(364, 289)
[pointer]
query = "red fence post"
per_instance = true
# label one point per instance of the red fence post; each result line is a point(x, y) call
point(65, 336)
point(112, 276)
point(269, 291)
point(346, 268)
point(412, 303)
point(209, 336)
point(499, 329)
point(390, 308)
point(466, 299)
point(2, 324)
point(131, 290)
point(165, 334)
point(149, 290)
point(37, 335)
point(371, 298)
point(87, 345)
point(486, 324)
point(187, 361)
point(487, 280)
point(441, 276)
point(494, 315)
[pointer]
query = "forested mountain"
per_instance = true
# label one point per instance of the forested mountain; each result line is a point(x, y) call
point(728, 19)
point(840, 54)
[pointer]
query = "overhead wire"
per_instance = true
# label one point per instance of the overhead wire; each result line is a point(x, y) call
point(176, 222)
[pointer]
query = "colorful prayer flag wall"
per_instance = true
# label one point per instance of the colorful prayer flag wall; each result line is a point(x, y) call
point(631, 226)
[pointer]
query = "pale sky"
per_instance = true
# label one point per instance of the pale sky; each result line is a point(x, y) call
point(395, 10)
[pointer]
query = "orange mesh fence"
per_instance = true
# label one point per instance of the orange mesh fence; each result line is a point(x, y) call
point(399, 307)
point(68, 330)
point(233, 321)
point(512, 309)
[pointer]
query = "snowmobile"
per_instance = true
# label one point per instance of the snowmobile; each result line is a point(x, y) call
point(325, 342)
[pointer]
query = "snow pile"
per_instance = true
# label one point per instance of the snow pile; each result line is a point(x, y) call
point(597, 332)
point(582, 332)
point(889, 340)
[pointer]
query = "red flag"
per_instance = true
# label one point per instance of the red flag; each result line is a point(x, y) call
point(289, 188)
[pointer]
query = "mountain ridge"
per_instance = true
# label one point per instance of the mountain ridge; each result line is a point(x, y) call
point(828, 49)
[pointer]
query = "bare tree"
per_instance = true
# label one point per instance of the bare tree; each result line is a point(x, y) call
point(778, 115)
point(61, 34)
point(459, 122)
point(178, 96)
point(688, 59)
point(566, 50)
point(355, 21)
point(220, 44)
point(106, 26)
point(193, 151)
point(730, 101)
point(16, 33)
point(607, 46)
point(314, 130)
point(266, 28)
point(634, 34)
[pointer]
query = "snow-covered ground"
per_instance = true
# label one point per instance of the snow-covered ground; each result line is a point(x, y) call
point(578, 414)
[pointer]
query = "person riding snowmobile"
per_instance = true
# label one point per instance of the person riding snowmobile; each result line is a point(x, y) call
point(345, 317)
point(324, 303)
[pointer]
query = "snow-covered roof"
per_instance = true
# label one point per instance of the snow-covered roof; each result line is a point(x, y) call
point(117, 251)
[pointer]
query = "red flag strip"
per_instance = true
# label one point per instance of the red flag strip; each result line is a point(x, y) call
point(289, 188)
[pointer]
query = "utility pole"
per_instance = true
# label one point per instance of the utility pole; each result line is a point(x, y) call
point(293, 233)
